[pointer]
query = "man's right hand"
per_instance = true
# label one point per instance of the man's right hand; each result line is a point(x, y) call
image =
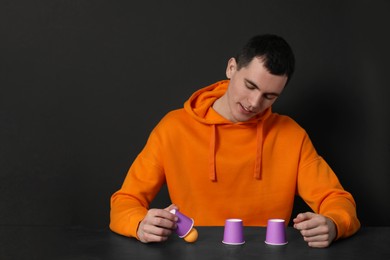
point(157, 225)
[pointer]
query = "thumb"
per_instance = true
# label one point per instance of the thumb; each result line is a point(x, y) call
point(172, 206)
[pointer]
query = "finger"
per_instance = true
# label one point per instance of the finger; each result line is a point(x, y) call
point(320, 241)
point(315, 231)
point(164, 214)
point(303, 216)
point(156, 230)
point(151, 233)
point(147, 236)
point(316, 238)
point(307, 215)
point(311, 221)
point(320, 244)
point(163, 222)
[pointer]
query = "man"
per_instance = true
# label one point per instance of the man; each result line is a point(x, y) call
point(227, 155)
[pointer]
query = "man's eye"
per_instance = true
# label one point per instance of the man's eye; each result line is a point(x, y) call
point(270, 97)
point(250, 86)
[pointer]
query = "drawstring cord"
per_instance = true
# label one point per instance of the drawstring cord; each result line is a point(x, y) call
point(212, 174)
point(259, 150)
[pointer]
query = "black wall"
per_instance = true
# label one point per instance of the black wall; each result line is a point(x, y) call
point(82, 83)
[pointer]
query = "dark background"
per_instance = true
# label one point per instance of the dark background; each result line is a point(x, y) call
point(82, 83)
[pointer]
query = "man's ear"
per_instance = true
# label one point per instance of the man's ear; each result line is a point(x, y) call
point(231, 68)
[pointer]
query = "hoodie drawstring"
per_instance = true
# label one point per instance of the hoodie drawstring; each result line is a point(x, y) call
point(212, 174)
point(259, 150)
point(259, 140)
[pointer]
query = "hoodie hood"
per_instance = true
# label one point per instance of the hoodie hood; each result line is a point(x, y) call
point(199, 106)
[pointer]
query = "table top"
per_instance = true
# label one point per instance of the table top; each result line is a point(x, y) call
point(27, 242)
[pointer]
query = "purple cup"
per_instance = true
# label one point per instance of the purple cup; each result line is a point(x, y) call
point(276, 232)
point(233, 232)
point(184, 223)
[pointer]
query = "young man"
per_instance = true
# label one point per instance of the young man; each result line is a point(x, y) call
point(227, 155)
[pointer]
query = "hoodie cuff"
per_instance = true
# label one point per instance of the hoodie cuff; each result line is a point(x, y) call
point(341, 222)
point(135, 220)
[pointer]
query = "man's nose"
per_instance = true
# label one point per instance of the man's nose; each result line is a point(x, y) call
point(255, 100)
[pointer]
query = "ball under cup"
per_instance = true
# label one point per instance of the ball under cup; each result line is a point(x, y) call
point(192, 236)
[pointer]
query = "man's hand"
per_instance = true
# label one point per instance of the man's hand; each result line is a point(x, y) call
point(317, 230)
point(157, 225)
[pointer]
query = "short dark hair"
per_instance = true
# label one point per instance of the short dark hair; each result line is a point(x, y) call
point(275, 52)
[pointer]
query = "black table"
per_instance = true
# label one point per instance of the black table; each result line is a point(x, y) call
point(26, 242)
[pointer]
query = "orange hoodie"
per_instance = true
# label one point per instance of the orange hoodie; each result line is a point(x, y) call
point(215, 169)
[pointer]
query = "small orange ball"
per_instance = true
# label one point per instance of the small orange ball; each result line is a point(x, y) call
point(192, 236)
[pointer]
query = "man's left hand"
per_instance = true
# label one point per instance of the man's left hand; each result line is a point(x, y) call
point(317, 230)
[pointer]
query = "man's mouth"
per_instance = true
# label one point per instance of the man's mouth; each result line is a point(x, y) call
point(246, 109)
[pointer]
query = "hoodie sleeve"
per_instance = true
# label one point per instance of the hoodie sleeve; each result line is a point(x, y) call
point(320, 188)
point(144, 179)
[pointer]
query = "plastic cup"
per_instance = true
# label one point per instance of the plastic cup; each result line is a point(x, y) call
point(276, 232)
point(184, 223)
point(233, 232)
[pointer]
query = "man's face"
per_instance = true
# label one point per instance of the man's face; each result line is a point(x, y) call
point(251, 90)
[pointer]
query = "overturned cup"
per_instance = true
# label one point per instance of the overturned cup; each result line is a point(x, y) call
point(233, 232)
point(276, 232)
point(185, 227)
